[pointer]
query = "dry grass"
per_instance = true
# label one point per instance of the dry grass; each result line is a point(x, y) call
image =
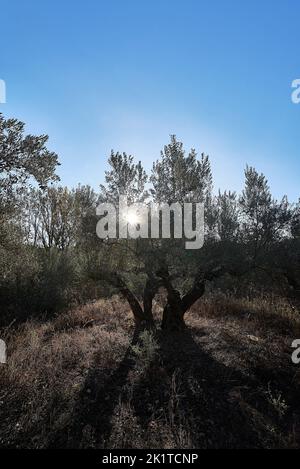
point(77, 381)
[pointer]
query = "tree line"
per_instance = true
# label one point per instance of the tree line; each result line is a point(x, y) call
point(50, 256)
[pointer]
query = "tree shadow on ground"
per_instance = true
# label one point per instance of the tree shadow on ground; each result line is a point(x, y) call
point(97, 400)
point(204, 403)
point(197, 396)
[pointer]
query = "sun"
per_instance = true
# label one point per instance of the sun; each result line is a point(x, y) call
point(132, 218)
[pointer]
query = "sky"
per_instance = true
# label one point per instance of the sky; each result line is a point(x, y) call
point(98, 75)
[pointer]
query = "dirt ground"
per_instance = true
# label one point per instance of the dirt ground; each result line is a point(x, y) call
point(85, 380)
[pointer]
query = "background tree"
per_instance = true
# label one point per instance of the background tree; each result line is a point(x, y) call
point(125, 177)
point(24, 160)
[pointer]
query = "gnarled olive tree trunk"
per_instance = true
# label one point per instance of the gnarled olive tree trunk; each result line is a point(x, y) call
point(142, 314)
point(177, 305)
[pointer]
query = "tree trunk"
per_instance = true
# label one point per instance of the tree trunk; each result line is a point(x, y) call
point(150, 291)
point(143, 317)
point(176, 307)
point(174, 311)
point(173, 319)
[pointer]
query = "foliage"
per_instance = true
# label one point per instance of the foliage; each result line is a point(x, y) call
point(51, 256)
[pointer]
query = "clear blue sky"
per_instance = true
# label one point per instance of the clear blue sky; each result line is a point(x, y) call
point(124, 74)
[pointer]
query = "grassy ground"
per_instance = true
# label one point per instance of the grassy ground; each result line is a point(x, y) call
point(82, 380)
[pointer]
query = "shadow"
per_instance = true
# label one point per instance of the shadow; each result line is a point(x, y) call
point(197, 394)
point(96, 403)
point(200, 402)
